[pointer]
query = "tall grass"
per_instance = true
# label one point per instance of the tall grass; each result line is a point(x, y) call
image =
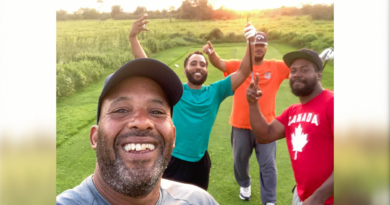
point(88, 50)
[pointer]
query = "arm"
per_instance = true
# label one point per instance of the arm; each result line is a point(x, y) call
point(137, 27)
point(238, 77)
point(215, 60)
point(322, 193)
point(264, 132)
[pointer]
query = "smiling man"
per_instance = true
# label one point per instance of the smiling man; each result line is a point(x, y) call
point(195, 113)
point(271, 74)
point(307, 126)
point(134, 138)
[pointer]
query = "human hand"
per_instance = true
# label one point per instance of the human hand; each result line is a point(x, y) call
point(208, 48)
point(327, 54)
point(253, 93)
point(249, 31)
point(138, 26)
point(312, 201)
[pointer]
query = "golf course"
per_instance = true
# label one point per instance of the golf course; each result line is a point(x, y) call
point(89, 50)
point(77, 113)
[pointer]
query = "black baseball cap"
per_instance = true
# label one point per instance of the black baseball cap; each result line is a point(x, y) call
point(261, 38)
point(148, 68)
point(304, 53)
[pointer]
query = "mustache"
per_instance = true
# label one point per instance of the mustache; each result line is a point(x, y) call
point(138, 133)
point(299, 80)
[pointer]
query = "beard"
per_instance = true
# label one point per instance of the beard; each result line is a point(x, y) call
point(132, 182)
point(306, 90)
point(191, 78)
point(259, 58)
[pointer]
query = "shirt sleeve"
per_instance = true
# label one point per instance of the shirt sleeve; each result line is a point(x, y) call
point(330, 114)
point(284, 71)
point(231, 66)
point(282, 118)
point(223, 88)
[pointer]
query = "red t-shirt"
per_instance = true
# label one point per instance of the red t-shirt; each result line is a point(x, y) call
point(271, 75)
point(310, 139)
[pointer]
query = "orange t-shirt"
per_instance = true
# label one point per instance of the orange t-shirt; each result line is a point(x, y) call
point(271, 75)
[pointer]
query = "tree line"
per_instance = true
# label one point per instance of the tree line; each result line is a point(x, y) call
point(199, 10)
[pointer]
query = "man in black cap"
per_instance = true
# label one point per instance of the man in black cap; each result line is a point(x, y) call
point(133, 139)
point(195, 113)
point(307, 126)
point(272, 73)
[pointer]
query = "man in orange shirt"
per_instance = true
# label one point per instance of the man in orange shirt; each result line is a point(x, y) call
point(271, 73)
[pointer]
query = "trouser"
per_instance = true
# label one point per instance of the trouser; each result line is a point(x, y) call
point(195, 173)
point(296, 200)
point(243, 143)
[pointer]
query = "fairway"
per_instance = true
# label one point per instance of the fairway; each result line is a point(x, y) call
point(77, 113)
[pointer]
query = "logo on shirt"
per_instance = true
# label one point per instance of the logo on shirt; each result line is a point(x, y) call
point(299, 140)
point(267, 75)
point(305, 117)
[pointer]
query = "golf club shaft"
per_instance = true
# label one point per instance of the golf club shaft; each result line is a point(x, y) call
point(324, 65)
point(250, 51)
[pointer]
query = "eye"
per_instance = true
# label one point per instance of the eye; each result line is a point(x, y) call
point(120, 111)
point(157, 112)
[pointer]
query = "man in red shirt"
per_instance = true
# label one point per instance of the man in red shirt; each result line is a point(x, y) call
point(307, 127)
point(272, 73)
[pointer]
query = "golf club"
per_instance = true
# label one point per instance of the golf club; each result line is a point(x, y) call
point(250, 52)
point(323, 67)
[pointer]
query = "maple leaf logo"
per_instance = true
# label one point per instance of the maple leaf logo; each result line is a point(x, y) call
point(299, 140)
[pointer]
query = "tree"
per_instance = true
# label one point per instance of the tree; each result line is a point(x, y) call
point(164, 12)
point(139, 10)
point(171, 9)
point(90, 13)
point(61, 15)
point(116, 11)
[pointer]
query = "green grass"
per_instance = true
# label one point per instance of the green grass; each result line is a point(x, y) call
point(86, 50)
point(76, 114)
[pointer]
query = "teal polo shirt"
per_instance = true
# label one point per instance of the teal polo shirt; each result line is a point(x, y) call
point(194, 116)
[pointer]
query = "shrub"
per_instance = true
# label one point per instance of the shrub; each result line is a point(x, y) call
point(151, 44)
point(309, 37)
point(274, 35)
point(174, 35)
point(298, 41)
point(216, 33)
point(165, 44)
point(180, 42)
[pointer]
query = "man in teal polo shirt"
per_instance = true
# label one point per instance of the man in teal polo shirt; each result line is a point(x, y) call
point(195, 113)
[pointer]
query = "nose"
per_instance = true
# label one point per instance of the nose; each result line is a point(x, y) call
point(141, 120)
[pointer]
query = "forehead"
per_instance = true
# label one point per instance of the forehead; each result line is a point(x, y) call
point(197, 57)
point(301, 62)
point(137, 86)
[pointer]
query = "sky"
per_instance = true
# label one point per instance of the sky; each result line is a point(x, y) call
point(130, 6)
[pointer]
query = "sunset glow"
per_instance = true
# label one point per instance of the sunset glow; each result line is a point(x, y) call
point(130, 6)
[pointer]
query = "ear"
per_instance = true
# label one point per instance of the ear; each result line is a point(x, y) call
point(174, 136)
point(93, 136)
point(319, 74)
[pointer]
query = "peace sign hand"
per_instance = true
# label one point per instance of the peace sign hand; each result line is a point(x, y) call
point(253, 93)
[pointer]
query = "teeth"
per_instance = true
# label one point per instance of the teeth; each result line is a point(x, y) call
point(138, 147)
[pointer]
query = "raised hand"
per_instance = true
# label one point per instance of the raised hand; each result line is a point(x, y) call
point(208, 48)
point(249, 31)
point(253, 93)
point(138, 26)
